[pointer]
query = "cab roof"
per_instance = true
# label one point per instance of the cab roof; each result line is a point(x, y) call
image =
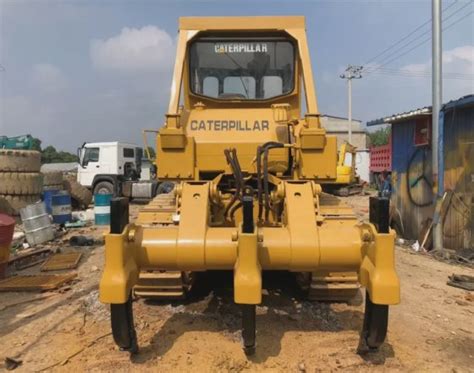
point(109, 143)
point(242, 23)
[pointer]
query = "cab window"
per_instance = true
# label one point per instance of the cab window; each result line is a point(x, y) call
point(90, 155)
point(128, 153)
point(242, 69)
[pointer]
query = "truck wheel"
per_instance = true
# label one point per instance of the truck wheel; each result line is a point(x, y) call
point(81, 194)
point(21, 183)
point(104, 187)
point(20, 160)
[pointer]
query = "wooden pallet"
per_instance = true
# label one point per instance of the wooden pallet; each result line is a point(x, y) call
point(61, 261)
point(35, 283)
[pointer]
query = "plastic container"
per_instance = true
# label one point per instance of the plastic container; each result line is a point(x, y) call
point(47, 199)
point(38, 228)
point(61, 207)
point(7, 227)
point(102, 208)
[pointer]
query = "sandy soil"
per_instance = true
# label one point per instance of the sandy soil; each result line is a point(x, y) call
point(68, 330)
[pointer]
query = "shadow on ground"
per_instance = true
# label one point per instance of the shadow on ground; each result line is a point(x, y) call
point(211, 308)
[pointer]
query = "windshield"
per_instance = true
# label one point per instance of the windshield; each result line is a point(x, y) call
point(242, 69)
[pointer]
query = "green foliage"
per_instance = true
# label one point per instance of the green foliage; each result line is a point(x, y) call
point(36, 144)
point(379, 137)
point(51, 155)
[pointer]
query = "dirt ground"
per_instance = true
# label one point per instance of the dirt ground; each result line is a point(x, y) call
point(69, 330)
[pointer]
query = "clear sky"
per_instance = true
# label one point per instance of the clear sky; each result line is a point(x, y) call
point(75, 71)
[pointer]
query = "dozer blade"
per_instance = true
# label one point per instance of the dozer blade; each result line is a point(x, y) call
point(333, 286)
point(163, 285)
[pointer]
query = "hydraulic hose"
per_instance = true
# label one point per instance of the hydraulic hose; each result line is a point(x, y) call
point(260, 150)
point(233, 161)
point(265, 177)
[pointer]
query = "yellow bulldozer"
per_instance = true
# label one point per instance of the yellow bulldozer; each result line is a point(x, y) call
point(248, 167)
point(347, 181)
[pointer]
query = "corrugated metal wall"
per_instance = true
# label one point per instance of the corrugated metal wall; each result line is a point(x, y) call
point(403, 149)
point(459, 177)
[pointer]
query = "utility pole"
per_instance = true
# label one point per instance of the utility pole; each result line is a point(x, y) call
point(352, 72)
point(436, 140)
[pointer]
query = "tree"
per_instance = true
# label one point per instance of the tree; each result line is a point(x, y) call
point(380, 137)
point(51, 155)
point(36, 144)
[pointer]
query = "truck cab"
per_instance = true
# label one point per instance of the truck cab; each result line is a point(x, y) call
point(104, 166)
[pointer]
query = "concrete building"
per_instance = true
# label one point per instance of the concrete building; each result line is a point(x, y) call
point(340, 126)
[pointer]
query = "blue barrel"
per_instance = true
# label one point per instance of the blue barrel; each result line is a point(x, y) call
point(102, 208)
point(61, 207)
point(48, 199)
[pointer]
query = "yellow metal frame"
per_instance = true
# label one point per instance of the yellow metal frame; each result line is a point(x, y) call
point(300, 245)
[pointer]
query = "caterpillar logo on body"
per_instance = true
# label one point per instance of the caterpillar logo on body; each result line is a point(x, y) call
point(229, 125)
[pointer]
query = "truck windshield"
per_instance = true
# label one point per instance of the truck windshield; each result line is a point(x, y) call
point(242, 69)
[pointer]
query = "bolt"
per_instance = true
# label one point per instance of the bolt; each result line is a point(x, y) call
point(366, 237)
point(131, 235)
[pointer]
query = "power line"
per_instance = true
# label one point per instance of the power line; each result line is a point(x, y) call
point(421, 72)
point(406, 36)
point(419, 44)
point(394, 52)
point(422, 76)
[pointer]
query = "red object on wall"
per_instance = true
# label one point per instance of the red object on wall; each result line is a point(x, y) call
point(381, 157)
point(422, 131)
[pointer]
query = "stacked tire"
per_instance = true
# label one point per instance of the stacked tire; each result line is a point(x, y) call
point(21, 183)
point(53, 180)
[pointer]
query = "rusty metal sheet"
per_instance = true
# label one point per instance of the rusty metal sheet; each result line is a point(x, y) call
point(35, 283)
point(61, 261)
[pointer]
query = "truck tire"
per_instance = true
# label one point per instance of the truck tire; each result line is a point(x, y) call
point(20, 183)
point(5, 207)
point(53, 187)
point(52, 178)
point(104, 187)
point(15, 203)
point(79, 193)
point(20, 160)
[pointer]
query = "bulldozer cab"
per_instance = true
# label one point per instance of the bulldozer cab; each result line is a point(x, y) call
point(240, 82)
